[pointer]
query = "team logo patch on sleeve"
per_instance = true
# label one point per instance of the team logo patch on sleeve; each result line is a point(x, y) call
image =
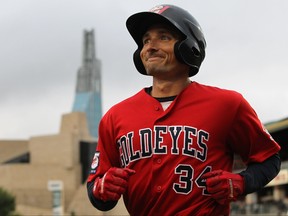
point(95, 161)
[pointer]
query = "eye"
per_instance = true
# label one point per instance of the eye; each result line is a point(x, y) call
point(165, 37)
point(146, 40)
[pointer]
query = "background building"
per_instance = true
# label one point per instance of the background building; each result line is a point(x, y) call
point(88, 87)
point(27, 166)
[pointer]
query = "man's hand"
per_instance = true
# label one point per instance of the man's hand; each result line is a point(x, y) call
point(113, 184)
point(224, 186)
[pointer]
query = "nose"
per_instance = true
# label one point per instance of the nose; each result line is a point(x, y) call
point(152, 46)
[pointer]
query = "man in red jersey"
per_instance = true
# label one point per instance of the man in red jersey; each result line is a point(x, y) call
point(169, 148)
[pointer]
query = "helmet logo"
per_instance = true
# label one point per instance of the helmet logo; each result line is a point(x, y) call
point(159, 9)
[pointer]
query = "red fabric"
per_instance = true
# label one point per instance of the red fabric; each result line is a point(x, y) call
point(170, 150)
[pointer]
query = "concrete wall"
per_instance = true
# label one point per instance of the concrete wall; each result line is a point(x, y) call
point(9, 149)
point(54, 157)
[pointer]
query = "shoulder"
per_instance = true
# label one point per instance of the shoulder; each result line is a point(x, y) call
point(133, 100)
point(127, 104)
point(216, 92)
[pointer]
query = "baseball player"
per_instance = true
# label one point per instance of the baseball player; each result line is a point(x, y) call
point(169, 148)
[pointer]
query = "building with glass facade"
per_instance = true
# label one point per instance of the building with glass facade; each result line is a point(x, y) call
point(88, 87)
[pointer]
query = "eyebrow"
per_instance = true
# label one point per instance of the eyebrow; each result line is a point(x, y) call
point(164, 31)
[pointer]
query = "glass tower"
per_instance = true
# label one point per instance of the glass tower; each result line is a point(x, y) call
point(88, 87)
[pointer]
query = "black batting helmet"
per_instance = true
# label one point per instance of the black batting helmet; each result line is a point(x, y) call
point(190, 50)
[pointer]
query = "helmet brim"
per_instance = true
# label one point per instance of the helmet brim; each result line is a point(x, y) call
point(137, 24)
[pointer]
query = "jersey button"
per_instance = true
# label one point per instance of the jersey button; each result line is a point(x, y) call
point(159, 161)
point(159, 189)
point(156, 108)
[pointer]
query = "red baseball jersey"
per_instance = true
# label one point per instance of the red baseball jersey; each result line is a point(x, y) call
point(170, 150)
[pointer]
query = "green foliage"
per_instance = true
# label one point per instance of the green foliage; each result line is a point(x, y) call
point(7, 203)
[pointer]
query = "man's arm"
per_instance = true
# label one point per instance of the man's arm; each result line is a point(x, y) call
point(225, 186)
point(257, 175)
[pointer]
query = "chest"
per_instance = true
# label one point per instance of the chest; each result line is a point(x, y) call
point(179, 130)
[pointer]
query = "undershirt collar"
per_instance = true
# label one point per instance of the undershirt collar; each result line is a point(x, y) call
point(160, 99)
point(164, 101)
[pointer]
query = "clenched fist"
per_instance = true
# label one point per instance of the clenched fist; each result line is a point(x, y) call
point(224, 186)
point(113, 184)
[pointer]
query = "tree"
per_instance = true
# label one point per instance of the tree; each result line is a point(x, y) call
point(7, 203)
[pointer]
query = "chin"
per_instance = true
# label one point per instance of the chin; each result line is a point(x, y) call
point(155, 71)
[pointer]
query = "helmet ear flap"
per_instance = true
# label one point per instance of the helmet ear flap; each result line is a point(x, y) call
point(187, 52)
point(177, 52)
point(138, 62)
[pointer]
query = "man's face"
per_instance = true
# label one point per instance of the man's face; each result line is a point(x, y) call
point(157, 53)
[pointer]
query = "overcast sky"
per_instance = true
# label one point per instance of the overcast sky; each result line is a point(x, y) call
point(41, 50)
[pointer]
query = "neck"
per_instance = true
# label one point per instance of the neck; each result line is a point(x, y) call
point(166, 88)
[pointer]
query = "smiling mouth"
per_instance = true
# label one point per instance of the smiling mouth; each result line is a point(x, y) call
point(153, 58)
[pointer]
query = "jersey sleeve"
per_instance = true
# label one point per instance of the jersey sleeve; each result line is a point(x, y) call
point(248, 137)
point(106, 155)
